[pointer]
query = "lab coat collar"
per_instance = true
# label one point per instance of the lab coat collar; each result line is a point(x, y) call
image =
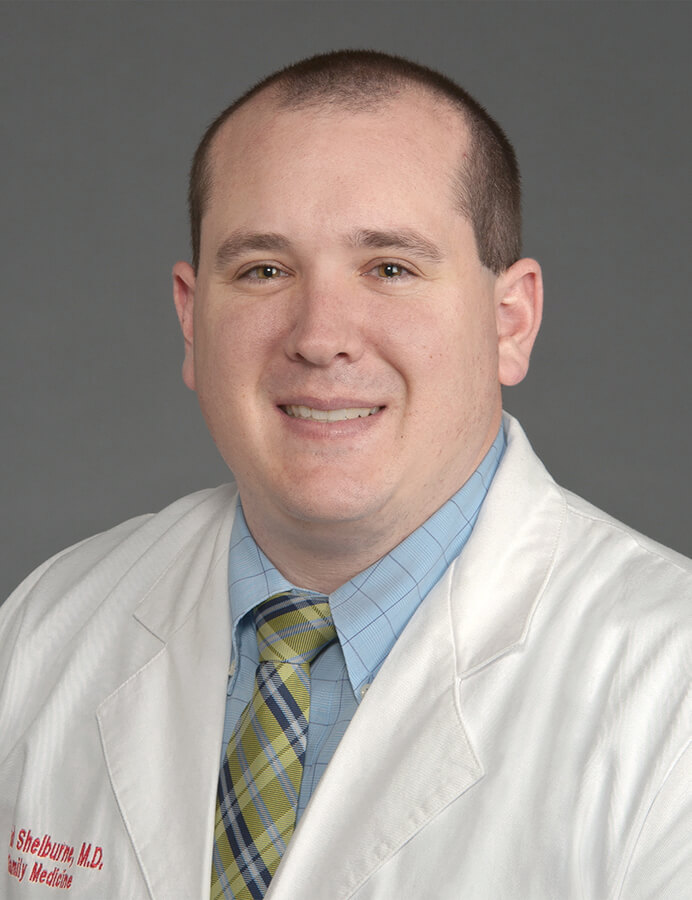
point(500, 576)
point(186, 607)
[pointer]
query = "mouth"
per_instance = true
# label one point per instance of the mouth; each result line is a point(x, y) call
point(330, 415)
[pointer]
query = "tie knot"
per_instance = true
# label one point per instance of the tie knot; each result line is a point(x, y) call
point(292, 628)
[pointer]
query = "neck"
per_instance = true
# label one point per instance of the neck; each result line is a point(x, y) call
point(322, 557)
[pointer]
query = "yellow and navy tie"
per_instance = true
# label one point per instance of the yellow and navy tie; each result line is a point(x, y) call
point(261, 774)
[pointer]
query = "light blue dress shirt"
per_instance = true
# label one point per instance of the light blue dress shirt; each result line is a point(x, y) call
point(370, 612)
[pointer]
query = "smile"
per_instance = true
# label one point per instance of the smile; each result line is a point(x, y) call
point(330, 415)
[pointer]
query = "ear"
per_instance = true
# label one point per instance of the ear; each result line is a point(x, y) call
point(184, 299)
point(518, 311)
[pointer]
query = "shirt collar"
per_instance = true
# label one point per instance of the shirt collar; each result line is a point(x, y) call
point(371, 610)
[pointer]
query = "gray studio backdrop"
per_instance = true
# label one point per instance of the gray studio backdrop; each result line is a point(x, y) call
point(103, 105)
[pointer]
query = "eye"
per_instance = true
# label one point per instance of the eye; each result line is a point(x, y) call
point(390, 271)
point(264, 272)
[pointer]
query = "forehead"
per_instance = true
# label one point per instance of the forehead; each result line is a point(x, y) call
point(412, 139)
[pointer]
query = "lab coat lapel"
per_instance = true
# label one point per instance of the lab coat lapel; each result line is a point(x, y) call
point(162, 729)
point(500, 577)
point(404, 758)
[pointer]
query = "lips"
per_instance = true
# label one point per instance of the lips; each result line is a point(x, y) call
point(330, 415)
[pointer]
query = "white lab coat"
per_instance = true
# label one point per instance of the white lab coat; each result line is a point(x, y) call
point(528, 736)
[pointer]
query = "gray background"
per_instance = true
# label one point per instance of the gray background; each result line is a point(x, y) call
point(104, 103)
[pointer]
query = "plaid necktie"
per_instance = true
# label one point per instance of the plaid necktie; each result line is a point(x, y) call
point(260, 777)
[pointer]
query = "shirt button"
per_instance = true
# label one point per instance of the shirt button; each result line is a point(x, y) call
point(364, 689)
point(231, 669)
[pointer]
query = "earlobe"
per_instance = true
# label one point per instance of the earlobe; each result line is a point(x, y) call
point(518, 310)
point(184, 297)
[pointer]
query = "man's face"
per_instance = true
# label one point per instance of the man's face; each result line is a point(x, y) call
point(341, 330)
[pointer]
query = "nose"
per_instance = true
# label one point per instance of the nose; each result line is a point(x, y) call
point(326, 326)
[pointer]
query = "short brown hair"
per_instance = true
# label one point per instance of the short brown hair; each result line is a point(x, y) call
point(488, 184)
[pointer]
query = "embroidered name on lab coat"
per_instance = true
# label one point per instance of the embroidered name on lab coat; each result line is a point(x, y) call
point(43, 859)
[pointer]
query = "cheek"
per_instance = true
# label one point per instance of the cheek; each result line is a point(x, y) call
point(462, 372)
point(220, 372)
point(234, 352)
point(229, 347)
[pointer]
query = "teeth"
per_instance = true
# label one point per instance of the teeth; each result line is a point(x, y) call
point(331, 415)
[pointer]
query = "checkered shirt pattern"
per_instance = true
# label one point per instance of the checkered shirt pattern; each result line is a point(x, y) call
point(260, 777)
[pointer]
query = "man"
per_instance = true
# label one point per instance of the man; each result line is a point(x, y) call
point(448, 677)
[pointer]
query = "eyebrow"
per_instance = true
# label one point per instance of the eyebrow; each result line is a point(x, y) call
point(241, 242)
point(405, 239)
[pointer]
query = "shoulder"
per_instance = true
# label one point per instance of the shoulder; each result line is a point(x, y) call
point(628, 599)
point(91, 616)
point(592, 583)
point(624, 561)
point(580, 533)
point(603, 524)
point(75, 582)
